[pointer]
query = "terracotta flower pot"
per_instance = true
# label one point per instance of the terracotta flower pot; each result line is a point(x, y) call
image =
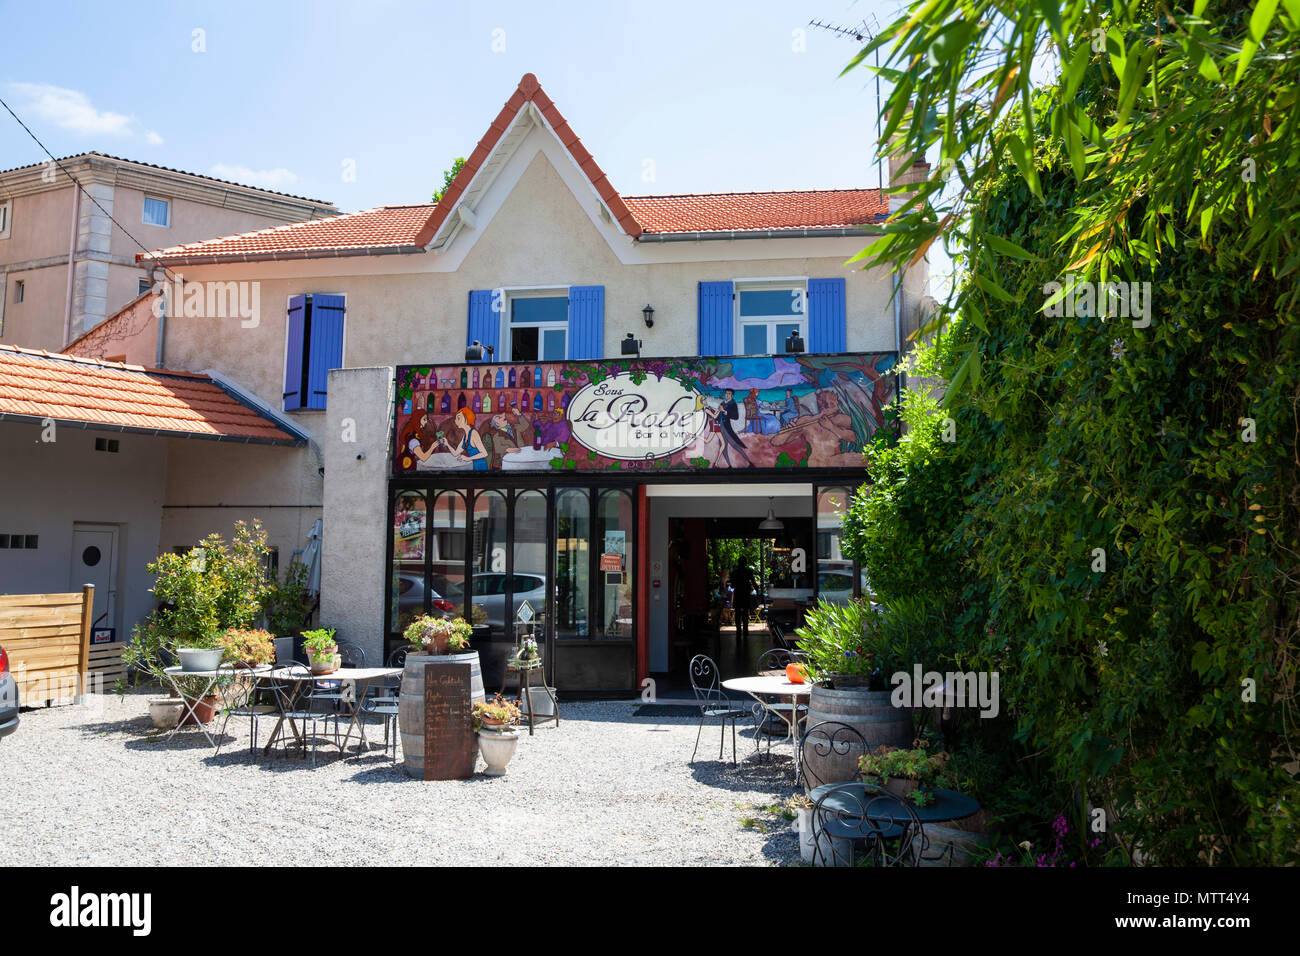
point(205, 710)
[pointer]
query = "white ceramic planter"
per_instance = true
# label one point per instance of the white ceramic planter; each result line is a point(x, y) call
point(803, 826)
point(199, 658)
point(497, 747)
point(165, 712)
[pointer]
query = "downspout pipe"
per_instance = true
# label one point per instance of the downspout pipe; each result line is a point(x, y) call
point(162, 315)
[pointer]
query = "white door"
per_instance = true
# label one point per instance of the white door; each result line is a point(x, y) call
point(94, 561)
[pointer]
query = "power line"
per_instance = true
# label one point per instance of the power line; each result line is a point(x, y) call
point(54, 159)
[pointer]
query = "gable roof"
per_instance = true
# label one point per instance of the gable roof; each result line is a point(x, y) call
point(530, 91)
point(36, 385)
point(412, 228)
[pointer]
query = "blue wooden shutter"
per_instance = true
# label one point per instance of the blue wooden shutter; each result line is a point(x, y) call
point(325, 345)
point(827, 325)
point(716, 318)
point(484, 323)
point(587, 322)
point(293, 354)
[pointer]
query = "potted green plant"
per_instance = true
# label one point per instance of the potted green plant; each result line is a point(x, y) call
point(911, 773)
point(200, 593)
point(322, 650)
point(849, 658)
point(438, 635)
point(498, 736)
point(288, 604)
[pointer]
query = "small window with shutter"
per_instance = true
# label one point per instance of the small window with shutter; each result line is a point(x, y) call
point(314, 346)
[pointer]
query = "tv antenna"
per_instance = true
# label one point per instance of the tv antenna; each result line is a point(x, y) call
point(861, 33)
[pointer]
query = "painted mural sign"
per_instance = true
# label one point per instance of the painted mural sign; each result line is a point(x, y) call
point(784, 411)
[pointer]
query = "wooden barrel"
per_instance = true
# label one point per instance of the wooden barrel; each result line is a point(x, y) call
point(869, 712)
point(410, 703)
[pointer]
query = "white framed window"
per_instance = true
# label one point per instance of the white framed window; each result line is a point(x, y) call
point(6, 214)
point(157, 212)
point(536, 324)
point(767, 311)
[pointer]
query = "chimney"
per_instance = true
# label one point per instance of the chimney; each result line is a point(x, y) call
point(904, 171)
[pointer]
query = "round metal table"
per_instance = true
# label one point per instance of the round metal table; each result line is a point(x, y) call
point(947, 804)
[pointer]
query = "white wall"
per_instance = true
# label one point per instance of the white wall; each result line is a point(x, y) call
point(47, 487)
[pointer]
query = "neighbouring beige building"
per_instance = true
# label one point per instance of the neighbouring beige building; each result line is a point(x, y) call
point(65, 266)
point(355, 333)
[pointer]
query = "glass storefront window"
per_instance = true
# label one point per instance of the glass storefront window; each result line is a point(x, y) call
point(447, 552)
point(834, 571)
point(488, 566)
point(529, 577)
point(572, 563)
point(406, 583)
point(613, 613)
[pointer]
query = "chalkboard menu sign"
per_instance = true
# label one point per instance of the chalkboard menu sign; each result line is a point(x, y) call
point(449, 751)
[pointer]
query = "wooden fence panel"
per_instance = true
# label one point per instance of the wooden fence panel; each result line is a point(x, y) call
point(47, 638)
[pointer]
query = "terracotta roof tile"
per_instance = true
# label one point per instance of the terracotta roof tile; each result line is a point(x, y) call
point(384, 226)
point(412, 227)
point(722, 212)
point(69, 388)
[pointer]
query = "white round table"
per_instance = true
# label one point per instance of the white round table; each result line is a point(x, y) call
point(761, 687)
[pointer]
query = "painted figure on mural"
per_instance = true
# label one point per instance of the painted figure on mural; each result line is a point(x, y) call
point(554, 430)
point(790, 408)
point(752, 423)
point(724, 415)
point(470, 448)
point(509, 431)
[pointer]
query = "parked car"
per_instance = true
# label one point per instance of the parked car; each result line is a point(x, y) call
point(8, 698)
point(410, 598)
point(489, 592)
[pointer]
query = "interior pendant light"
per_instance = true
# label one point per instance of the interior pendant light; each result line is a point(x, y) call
point(771, 522)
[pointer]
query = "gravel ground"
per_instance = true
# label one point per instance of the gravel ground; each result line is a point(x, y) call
point(93, 784)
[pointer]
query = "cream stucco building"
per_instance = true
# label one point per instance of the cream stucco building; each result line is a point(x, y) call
point(353, 332)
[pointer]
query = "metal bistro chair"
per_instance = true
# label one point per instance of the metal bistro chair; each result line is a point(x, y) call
point(714, 704)
point(383, 700)
point(828, 753)
point(779, 638)
point(774, 718)
point(245, 703)
point(883, 825)
point(335, 693)
point(294, 691)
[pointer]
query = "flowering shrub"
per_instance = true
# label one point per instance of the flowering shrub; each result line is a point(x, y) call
point(246, 646)
point(1056, 857)
point(496, 710)
point(430, 634)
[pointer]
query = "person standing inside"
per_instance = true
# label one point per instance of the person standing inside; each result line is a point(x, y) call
point(742, 580)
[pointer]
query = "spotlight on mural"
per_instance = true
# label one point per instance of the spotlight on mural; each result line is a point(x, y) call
point(797, 411)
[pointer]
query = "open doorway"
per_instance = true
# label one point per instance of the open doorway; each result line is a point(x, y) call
point(737, 589)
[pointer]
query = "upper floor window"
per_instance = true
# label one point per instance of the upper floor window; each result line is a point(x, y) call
point(157, 212)
point(19, 288)
point(539, 326)
point(6, 214)
point(767, 314)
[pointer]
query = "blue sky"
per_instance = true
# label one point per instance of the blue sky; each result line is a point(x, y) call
point(713, 94)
